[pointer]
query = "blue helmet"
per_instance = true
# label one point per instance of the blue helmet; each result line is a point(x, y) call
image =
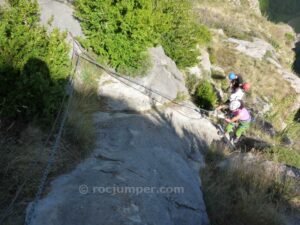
point(231, 76)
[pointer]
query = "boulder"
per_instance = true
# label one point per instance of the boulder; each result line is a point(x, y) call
point(246, 144)
point(195, 71)
point(217, 72)
point(266, 127)
point(256, 49)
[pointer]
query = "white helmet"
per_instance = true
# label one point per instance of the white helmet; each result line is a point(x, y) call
point(237, 95)
point(234, 105)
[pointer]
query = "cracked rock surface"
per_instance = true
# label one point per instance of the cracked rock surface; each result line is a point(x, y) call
point(145, 165)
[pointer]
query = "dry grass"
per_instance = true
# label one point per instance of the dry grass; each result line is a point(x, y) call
point(242, 23)
point(80, 131)
point(262, 75)
point(19, 151)
point(244, 195)
point(266, 81)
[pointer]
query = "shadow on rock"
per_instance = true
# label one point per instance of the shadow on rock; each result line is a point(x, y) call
point(246, 144)
point(136, 156)
point(297, 116)
point(296, 64)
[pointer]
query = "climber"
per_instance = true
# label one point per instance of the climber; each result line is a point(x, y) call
point(236, 94)
point(241, 119)
point(235, 80)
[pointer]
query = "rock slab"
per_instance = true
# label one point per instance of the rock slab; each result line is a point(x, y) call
point(145, 165)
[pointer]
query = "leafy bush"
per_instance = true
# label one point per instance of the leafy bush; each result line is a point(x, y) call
point(33, 64)
point(205, 95)
point(121, 31)
point(181, 32)
point(118, 31)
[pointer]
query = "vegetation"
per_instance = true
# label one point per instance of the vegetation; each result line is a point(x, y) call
point(241, 195)
point(264, 6)
point(285, 155)
point(244, 24)
point(124, 29)
point(33, 65)
point(23, 145)
point(205, 95)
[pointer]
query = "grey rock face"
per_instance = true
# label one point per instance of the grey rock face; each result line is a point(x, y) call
point(62, 16)
point(203, 69)
point(257, 49)
point(137, 156)
point(134, 151)
point(164, 79)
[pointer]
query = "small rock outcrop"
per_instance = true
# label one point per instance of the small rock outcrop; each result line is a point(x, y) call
point(62, 16)
point(203, 69)
point(257, 49)
point(164, 82)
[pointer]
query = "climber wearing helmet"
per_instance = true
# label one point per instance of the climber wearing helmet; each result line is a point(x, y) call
point(241, 116)
point(236, 94)
point(235, 80)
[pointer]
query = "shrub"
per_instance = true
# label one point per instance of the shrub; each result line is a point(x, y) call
point(121, 31)
point(183, 33)
point(118, 31)
point(205, 95)
point(33, 64)
point(290, 38)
